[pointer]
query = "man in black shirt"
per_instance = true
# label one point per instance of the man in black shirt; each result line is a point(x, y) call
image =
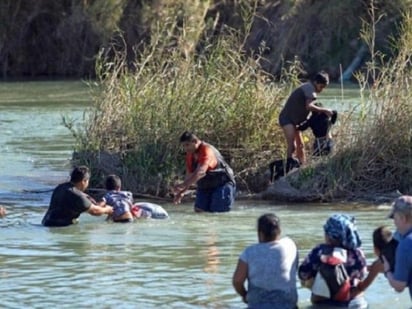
point(68, 201)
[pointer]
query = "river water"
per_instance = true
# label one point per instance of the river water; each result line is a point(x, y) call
point(186, 261)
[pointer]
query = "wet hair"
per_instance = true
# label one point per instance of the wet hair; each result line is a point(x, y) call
point(321, 78)
point(113, 182)
point(384, 241)
point(188, 137)
point(381, 237)
point(269, 225)
point(79, 173)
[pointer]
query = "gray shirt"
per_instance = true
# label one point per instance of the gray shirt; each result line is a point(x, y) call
point(295, 109)
point(272, 269)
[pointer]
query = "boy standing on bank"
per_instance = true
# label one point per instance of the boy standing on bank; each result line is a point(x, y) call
point(296, 110)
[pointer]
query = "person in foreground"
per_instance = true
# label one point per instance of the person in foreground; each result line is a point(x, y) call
point(206, 167)
point(296, 110)
point(401, 276)
point(68, 201)
point(269, 267)
point(124, 208)
point(334, 268)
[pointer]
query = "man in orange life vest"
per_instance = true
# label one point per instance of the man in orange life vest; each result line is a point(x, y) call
point(206, 167)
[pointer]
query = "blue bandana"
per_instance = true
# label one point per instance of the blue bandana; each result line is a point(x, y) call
point(342, 228)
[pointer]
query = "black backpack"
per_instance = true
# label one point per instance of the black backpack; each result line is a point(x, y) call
point(333, 272)
point(337, 279)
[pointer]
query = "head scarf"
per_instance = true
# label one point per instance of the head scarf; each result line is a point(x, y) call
point(342, 228)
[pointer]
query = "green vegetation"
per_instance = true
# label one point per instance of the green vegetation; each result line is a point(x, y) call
point(228, 100)
point(221, 69)
point(55, 38)
point(63, 38)
point(375, 154)
point(139, 114)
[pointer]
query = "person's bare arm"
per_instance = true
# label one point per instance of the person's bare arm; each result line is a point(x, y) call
point(101, 203)
point(191, 179)
point(239, 278)
point(310, 105)
point(96, 210)
point(399, 286)
point(374, 269)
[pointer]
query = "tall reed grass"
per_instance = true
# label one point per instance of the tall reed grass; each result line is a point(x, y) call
point(374, 153)
point(139, 115)
point(224, 97)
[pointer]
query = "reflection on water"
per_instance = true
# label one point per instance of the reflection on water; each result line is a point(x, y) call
point(186, 261)
point(212, 254)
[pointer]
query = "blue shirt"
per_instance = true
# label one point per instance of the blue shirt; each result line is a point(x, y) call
point(403, 261)
point(121, 201)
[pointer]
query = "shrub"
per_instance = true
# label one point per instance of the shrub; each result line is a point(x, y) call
point(140, 114)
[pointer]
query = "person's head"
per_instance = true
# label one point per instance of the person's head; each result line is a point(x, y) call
point(268, 227)
point(340, 231)
point(80, 176)
point(320, 81)
point(384, 244)
point(113, 182)
point(381, 238)
point(401, 213)
point(189, 141)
